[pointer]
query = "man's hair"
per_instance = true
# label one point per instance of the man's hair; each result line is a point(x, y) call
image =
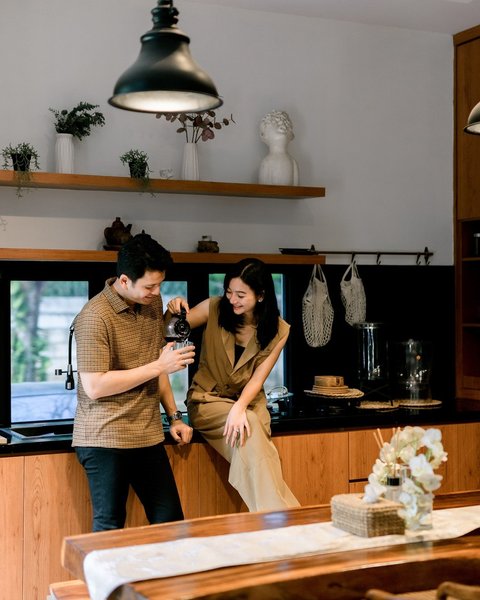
point(142, 253)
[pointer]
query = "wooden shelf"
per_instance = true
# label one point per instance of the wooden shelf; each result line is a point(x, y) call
point(26, 254)
point(104, 183)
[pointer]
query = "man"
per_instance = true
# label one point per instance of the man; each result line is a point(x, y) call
point(123, 377)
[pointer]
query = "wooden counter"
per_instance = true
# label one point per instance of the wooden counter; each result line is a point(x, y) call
point(340, 575)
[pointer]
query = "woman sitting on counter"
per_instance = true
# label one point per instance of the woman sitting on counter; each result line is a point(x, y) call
point(226, 402)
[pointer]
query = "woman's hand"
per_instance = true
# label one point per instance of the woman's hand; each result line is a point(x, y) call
point(175, 305)
point(237, 428)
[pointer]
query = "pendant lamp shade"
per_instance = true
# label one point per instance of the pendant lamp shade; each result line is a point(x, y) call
point(473, 123)
point(165, 78)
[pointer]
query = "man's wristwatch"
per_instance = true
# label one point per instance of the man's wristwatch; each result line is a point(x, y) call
point(177, 416)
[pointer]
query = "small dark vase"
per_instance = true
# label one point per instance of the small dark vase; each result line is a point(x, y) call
point(21, 162)
point(138, 170)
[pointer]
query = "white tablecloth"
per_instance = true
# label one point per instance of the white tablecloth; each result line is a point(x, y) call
point(105, 570)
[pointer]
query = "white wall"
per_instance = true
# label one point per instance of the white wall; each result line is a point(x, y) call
point(371, 108)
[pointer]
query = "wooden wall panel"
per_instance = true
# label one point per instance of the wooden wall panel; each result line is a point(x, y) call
point(363, 452)
point(462, 470)
point(357, 487)
point(184, 461)
point(57, 504)
point(11, 527)
point(215, 495)
point(315, 465)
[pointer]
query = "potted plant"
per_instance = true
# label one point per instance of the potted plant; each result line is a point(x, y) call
point(69, 124)
point(137, 160)
point(22, 157)
point(196, 127)
point(79, 120)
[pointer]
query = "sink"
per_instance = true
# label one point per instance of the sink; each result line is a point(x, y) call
point(43, 430)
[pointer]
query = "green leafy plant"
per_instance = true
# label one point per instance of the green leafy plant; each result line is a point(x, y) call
point(22, 157)
point(137, 160)
point(79, 120)
point(197, 126)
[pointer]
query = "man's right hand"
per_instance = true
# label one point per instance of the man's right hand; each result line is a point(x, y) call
point(171, 360)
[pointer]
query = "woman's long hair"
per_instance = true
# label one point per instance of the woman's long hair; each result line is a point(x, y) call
point(253, 273)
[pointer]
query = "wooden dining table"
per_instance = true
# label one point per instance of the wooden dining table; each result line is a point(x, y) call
point(339, 575)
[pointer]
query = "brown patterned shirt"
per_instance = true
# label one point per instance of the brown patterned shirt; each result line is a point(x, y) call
point(111, 336)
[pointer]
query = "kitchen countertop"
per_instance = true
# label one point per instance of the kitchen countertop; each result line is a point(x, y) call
point(288, 417)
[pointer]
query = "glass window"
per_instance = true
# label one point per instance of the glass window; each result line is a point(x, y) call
point(34, 334)
point(277, 374)
point(178, 380)
point(40, 316)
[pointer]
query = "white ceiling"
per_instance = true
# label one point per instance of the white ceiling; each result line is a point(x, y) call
point(442, 16)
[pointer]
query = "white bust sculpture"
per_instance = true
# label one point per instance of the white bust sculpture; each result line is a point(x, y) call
point(278, 167)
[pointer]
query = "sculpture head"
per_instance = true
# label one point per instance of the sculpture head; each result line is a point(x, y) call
point(278, 122)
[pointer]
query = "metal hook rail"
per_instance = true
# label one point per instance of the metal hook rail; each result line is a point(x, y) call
point(426, 254)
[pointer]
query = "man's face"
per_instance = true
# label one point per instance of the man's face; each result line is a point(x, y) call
point(144, 290)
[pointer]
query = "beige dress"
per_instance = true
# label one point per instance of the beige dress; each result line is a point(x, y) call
point(255, 470)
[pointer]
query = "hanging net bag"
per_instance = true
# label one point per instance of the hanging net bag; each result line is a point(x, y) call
point(353, 295)
point(317, 311)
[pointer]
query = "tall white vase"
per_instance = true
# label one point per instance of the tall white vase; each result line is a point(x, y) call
point(190, 162)
point(64, 153)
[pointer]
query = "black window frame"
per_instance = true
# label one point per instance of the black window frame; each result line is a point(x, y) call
point(95, 273)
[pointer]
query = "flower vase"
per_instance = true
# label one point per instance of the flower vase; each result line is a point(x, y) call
point(190, 162)
point(64, 153)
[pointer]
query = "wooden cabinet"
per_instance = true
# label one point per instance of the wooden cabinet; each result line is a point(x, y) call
point(45, 497)
point(315, 465)
point(11, 527)
point(460, 472)
point(467, 216)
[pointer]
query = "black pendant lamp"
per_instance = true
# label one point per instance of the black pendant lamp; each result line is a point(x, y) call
point(473, 123)
point(165, 78)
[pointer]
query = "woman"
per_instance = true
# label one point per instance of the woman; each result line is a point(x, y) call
point(243, 338)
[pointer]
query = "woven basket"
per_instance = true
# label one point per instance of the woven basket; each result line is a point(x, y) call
point(351, 514)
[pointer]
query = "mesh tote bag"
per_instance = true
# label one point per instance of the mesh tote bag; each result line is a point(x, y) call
point(353, 295)
point(317, 311)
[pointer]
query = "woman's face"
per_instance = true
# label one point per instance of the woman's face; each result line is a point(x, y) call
point(241, 297)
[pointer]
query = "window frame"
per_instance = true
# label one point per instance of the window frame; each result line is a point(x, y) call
point(95, 273)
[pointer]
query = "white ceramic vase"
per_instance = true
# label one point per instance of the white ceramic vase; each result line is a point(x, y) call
point(190, 162)
point(64, 153)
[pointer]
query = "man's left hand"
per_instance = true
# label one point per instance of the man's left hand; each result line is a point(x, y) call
point(181, 432)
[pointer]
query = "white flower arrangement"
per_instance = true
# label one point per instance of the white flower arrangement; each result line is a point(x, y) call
point(412, 454)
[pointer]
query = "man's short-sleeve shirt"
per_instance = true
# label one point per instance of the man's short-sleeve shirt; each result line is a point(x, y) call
point(112, 336)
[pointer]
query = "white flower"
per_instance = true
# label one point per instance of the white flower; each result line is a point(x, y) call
point(373, 490)
point(380, 470)
point(420, 451)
